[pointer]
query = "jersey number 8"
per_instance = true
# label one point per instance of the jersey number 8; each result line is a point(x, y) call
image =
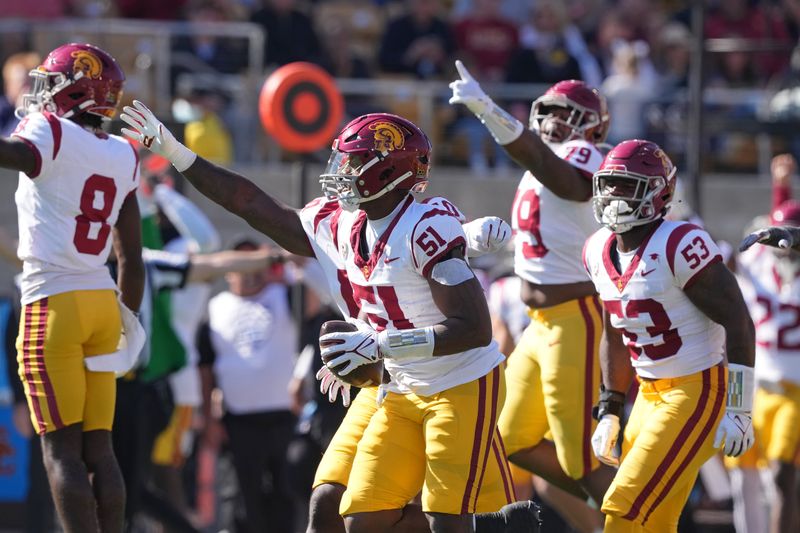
point(101, 188)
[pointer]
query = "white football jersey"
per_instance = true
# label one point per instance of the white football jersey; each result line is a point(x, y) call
point(774, 304)
point(549, 231)
point(67, 208)
point(666, 334)
point(390, 284)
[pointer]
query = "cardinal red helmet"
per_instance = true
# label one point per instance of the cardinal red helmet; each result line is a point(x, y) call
point(787, 214)
point(585, 115)
point(373, 155)
point(634, 185)
point(75, 79)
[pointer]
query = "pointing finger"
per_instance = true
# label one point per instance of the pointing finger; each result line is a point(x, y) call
point(462, 71)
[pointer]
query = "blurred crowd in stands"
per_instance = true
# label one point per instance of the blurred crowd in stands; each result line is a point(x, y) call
point(636, 51)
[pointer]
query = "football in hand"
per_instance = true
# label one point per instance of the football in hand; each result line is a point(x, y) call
point(364, 376)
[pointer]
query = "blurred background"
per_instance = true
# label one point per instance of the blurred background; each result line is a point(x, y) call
point(715, 82)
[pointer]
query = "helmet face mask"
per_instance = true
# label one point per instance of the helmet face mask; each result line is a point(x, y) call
point(633, 187)
point(570, 110)
point(75, 79)
point(375, 154)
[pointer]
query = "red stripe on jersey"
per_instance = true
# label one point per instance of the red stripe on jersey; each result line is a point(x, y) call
point(693, 279)
point(476, 445)
point(346, 290)
point(430, 214)
point(55, 128)
point(674, 239)
point(491, 426)
point(459, 241)
point(669, 458)
point(50, 394)
point(588, 387)
point(621, 280)
point(388, 296)
point(324, 211)
point(37, 157)
point(28, 371)
point(367, 265)
point(135, 161)
point(335, 227)
point(700, 439)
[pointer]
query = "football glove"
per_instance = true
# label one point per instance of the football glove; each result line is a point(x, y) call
point(775, 236)
point(604, 440)
point(358, 348)
point(332, 386)
point(149, 131)
point(486, 235)
point(503, 127)
point(735, 430)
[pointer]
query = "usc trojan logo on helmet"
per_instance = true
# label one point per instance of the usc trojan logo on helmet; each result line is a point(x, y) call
point(88, 63)
point(665, 162)
point(388, 137)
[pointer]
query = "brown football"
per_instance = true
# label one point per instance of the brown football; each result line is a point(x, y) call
point(363, 376)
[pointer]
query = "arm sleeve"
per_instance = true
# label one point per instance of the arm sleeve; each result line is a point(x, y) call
point(690, 250)
point(188, 219)
point(11, 352)
point(42, 133)
point(168, 270)
point(434, 236)
point(582, 155)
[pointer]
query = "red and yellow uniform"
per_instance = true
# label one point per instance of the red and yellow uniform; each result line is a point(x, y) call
point(553, 374)
point(66, 209)
point(678, 355)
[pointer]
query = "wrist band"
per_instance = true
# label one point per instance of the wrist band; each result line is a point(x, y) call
point(181, 157)
point(741, 387)
point(403, 343)
point(610, 403)
point(504, 127)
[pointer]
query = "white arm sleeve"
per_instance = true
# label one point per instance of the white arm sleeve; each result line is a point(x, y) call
point(188, 219)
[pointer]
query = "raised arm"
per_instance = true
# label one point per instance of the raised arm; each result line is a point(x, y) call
point(523, 145)
point(232, 191)
point(207, 267)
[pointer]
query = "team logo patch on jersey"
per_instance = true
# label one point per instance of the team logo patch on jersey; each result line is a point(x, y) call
point(388, 137)
point(88, 63)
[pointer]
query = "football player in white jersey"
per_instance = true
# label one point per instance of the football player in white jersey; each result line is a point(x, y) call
point(770, 284)
point(404, 269)
point(674, 316)
point(553, 376)
point(75, 196)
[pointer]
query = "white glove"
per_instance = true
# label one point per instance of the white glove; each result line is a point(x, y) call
point(604, 440)
point(486, 235)
point(776, 236)
point(736, 432)
point(503, 127)
point(149, 131)
point(332, 385)
point(360, 348)
point(467, 91)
